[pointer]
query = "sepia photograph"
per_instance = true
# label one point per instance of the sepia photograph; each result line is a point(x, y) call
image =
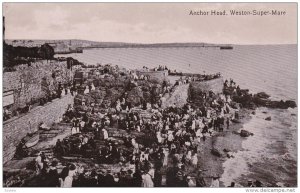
point(198, 95)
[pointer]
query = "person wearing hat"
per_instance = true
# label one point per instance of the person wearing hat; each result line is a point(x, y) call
point(122, 176)
point(39, 163)
point(53, 178)
point(215, 182)
point(93, 180)
point(194, 159)
point(200, 182)
point(147, 180)
point(258, 183)
point(250, 183)
point(109, 179)
point(101, 176)
point(137, 178)
point(81, 124)
point(75, 126)
point(115, 151)
point(232, 185)
point(45, 164)
point(180, 179)
point(69, 179)
point(105, 134)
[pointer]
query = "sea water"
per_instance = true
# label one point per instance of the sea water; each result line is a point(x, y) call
point(271, 154)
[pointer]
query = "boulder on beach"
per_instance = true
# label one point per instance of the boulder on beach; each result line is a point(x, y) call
point(263, 95)
point(282, 104)
point(290, 103)
point(230, 155)
point(235, 121)
point(235, 132)
point(216, 152)
point(245, 133)
point(268, 119)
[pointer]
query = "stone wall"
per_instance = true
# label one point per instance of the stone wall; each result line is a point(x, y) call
point(215, 85)
point(17, 128)
point(25, 82)
point(197, 88)
point(154, 75)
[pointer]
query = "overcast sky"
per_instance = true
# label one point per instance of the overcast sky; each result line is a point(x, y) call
point(150, 22)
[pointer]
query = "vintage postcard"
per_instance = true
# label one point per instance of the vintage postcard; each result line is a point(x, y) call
point(150, 95)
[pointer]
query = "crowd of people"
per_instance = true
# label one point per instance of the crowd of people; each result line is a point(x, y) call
point(156, 143)
point(170, 140)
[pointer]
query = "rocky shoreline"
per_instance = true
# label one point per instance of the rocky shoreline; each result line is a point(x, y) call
point(228, 140)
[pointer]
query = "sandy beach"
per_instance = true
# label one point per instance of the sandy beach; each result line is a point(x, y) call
point(225, 140)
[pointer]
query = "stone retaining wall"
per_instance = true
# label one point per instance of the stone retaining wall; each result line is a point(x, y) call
point(154, 75)
point(197, 88)
point(215, 85)
point(14, 130)
point(25, 82)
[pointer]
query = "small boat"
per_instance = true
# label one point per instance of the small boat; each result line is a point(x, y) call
point(31, 139)
point(226, 48)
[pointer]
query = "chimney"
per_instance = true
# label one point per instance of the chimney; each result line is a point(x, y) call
point(3, 28)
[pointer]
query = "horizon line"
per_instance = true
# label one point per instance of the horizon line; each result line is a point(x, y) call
point(236, 44)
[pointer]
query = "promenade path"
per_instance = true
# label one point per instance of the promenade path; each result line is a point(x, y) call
point(178, 97)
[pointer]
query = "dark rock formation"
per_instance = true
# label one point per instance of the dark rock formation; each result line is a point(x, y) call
point(268, 119)
point(216, 152)
point(245, 133)
point(263, 95)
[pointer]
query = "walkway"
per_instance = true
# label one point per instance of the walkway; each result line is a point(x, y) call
point(178, 97)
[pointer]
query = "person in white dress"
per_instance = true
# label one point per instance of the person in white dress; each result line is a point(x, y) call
point(118, 107)
point(189, 155)
point(167, 127)
point(198, 135)
point(86, 90)
point(105, 134)
point(158, 136)
point(135, 146)
point(195, 159)
point(39, 163)
point(93, 86)
point(215, 182)
point(193, 125)
point(190, 182)
point(228, 99)
point(69, 179)
point(166, 154)
point(147, 180)
point(170, 136)
point(147, 155)
point(201, 124)
point(138, 128)
point(208, 114)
